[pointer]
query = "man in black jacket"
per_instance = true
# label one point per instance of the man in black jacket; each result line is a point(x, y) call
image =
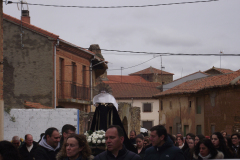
point(115, 149)
point(27, 150)
point(162, 146)
point(49, 146)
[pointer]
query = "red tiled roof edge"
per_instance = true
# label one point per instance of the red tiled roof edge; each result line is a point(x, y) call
point(29, 26)
point(171, 91)
point(149, 68)
point(190, 75)
point(35, 105)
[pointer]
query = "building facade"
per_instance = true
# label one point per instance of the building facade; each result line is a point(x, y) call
point(203, 105)
point(42, 68)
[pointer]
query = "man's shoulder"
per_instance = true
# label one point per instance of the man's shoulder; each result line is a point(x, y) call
point(150, 150)
point(132, 156)
point(101, 156)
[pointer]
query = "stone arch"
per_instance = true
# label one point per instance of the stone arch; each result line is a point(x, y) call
point(125, 124)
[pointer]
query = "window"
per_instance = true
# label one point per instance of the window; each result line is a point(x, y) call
point(198, 106)
point(147, 107)
point(61, 69)
point(161, 105)
point(147, 124)
point(199, 129)
point(84, 76)
point(186, 129)
point(170, 130)
point(170, 104)
point(178, 128)
point(212, 129)
point(190, 104)
point(74, 72)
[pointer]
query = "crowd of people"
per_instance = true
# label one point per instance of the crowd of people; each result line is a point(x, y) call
point(158, 145)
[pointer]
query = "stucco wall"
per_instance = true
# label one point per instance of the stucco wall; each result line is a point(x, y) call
point(180, 113)
point(222, 109)
point(28, 71)
point(36, 121)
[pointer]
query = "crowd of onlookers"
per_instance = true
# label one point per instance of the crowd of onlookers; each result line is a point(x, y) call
point(157, 145)
point(217, 146)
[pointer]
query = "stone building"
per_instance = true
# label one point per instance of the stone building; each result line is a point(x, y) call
point(40, 67)
point(215, 70)
point(154, 75)
point(203, 105)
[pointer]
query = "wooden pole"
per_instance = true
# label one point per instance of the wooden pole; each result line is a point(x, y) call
point(1, 74)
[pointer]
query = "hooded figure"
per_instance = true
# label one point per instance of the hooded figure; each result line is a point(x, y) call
point(106, 114)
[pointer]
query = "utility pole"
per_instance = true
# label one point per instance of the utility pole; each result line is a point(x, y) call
point(1, 74)
point(121, 74)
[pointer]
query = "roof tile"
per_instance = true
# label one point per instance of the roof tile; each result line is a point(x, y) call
point(125, 79)
point(203, 83)
point(150, 70)
point(134, 90)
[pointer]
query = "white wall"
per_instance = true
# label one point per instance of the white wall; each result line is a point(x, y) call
point(150, 116)
point(36, 121)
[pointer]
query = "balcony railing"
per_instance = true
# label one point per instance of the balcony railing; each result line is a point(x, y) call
point(71, 90)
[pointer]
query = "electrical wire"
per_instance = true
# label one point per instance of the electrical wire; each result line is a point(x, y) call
point(93, 7)
point(166, 54)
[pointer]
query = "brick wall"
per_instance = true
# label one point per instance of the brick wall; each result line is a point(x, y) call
point(68, 59)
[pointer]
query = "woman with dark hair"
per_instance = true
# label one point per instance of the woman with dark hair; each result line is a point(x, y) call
point(140, 150)
point(206, 150)
point(180, 142)
point(220, 144)
point(75, 148)
point(188, 154)
point(188, 136)
point(8, 151)
point(198, 138)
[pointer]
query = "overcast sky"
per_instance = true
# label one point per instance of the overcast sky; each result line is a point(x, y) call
point(199, 28)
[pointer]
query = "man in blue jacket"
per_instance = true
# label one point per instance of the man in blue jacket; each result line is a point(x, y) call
point(162, 146)
point(115, 148)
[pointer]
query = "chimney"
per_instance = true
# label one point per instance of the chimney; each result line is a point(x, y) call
point(25, 16)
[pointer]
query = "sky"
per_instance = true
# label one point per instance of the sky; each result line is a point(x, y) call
point(196, 28)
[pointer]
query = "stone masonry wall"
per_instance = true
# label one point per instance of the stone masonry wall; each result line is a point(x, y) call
point(28, 71)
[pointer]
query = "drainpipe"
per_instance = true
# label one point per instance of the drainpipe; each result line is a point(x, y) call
point(91, 81)
point(55, 77)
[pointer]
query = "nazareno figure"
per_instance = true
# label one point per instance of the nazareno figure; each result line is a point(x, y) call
point(106, 114)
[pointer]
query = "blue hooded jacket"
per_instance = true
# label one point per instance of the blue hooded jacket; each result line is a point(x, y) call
point(166, 152)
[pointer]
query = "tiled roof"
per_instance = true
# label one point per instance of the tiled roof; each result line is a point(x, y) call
point(150, 70)
point(190, 75)
point(30, 26)
point(35, 105)
point(125, 79)
point(134, 90)
point(221, 70)
point(196, 85)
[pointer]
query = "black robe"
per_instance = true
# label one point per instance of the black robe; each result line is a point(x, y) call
point(104, 116)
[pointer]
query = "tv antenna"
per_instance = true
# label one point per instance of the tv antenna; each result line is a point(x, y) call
point(24, 7)
point(221, 52)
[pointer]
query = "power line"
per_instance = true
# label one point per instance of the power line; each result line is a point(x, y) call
point(165, 54)
point(94, 7)
point(134, 65)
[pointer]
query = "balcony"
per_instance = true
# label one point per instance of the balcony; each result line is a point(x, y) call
point(73, 92)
